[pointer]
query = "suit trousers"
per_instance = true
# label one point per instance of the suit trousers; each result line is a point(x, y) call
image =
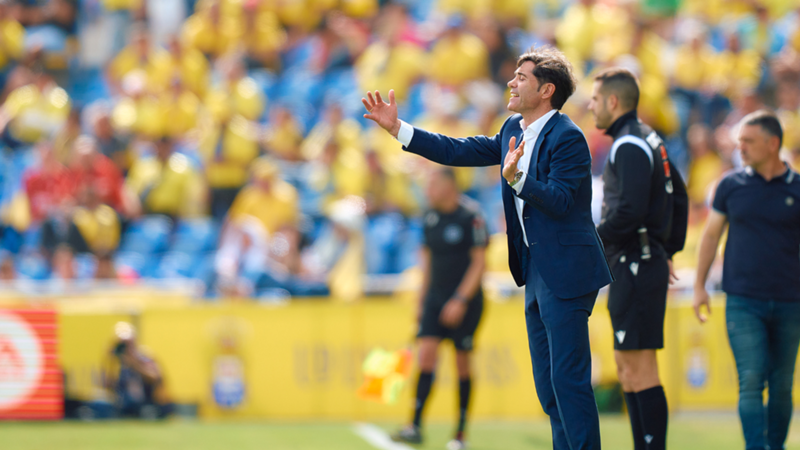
point(558, 337)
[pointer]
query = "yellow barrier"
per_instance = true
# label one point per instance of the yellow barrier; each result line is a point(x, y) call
point(303, 360)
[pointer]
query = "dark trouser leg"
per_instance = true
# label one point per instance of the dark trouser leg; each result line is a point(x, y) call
point(540, 360)
point(565, 339)
point(747, 333)
point(784, 339)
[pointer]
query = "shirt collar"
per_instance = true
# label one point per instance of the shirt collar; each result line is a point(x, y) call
point(788, 176)
point(621, 121)
point(533, 130)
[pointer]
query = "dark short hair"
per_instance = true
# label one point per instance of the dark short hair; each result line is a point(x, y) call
point(768, 122)
point(551, 66)
point(621, 82)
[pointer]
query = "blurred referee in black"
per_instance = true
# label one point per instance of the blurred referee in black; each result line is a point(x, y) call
point(451, 298)
point(644, 218)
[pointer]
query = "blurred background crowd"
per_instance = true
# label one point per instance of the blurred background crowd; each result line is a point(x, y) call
point(222, 140)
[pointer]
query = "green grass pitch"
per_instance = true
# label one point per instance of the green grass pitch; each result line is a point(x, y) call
point(687, 432)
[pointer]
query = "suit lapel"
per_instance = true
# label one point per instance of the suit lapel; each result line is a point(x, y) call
point(533, 167)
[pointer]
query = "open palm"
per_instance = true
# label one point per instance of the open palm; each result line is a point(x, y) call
point(382, 113)
point(512, 159)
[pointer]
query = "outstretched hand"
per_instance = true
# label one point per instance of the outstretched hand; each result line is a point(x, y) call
point(382, 113)
point(512, 158)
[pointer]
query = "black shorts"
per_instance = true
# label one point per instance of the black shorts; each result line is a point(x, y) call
point(462, 336)
point(637, 301)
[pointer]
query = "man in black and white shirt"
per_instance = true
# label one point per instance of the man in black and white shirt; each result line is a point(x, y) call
point(643, 223)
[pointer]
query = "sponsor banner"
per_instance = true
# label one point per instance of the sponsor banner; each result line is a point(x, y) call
point(304, 360)
point(31, 384)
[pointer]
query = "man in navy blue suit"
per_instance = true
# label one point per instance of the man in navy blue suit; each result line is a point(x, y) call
point(554, 249)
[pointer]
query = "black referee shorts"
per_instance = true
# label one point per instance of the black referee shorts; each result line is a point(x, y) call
point(463, 336)
point(637, 301)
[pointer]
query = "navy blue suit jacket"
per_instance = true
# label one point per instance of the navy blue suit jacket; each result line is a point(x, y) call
point(564, 245)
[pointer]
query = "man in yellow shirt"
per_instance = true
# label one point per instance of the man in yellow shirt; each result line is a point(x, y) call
point(458, 56)
point(264, 212)
point(391, 61)
point(229, 138)
point(141, 55)
point(270, 200)
point(213, 29)
point(167, 183)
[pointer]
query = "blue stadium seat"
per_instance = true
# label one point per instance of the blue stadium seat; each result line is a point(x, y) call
point(176, 264)
point(408, 252)
point(133, 261)
point(85, 265)
point(194, 236)
point(32, 238)
point(384, 236)
point(32, 266)
point(148, 235)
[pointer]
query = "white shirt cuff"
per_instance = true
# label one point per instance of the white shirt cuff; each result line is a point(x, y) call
point(518, 187)
point(405, 134)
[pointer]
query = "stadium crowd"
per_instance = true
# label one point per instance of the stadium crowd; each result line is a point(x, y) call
point(222, 140)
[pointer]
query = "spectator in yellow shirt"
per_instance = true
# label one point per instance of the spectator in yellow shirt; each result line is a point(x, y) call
point(458, 56)
point(346, 133)
point(35, 111)
point(388, 189)
point(167, 183)
point(693, 63)
point(12, 41)
point(141, 55)
point(336, 173)
point(270, 200)
point(705, 167)
point(229, 139)
point(97, 223)
point(190, 64)
point(213, 32)
point(735, 70)
point(264, 36)
point(264, 213)
point(392, 61)
point(172, 112)
point(283, 136)
point(576, 32)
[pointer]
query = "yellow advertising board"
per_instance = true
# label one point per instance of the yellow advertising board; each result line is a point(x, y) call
point(85, 343)
point(303, 360)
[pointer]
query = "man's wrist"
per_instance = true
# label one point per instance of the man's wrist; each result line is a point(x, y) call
point(395, 130)
point(516, 178)
point(460, 298)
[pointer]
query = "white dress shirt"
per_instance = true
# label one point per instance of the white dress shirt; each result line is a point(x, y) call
point(530, 135)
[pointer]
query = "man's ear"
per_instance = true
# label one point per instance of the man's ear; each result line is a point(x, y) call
point(774, 141)
point(549, 90)
point(612, 101)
